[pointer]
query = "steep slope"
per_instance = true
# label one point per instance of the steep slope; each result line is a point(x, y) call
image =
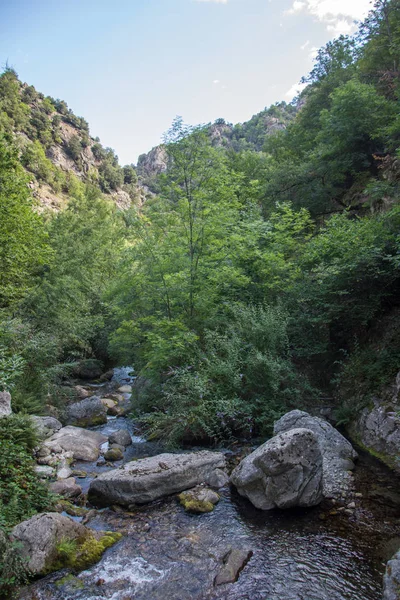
point(57, 150)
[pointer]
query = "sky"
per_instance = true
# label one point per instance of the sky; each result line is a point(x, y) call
point(129, 67)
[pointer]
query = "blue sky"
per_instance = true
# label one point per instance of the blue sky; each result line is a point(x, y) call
point(130, 66)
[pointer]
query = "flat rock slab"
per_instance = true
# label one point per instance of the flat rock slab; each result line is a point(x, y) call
point(338, 455)
point(84, 444)
point(148, 479)
point(284, 472)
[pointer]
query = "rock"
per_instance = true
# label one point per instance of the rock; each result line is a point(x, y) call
point(234, 562)
point(66, 487)
point(87, 413)
point(116, 411)
point(218, 479)
point(46, 426)
point(84, 444)
point(64, 472)
point(284, 472)
point(108, 403)
point(89, 368)
point(40, 535)
point(199, 500)
point(114, 454)
point(79, 474)
point(151, 478)
point(337, 452)
point(44, 472)
point(82, 392)
point(378, 430)
point(391, 579)
point(5, 404)
point(125, 389)
point(107, 376)
point(121, 437)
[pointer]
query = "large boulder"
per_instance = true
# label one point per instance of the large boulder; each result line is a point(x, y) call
point(87, 413)
point(284, 472)
point(5, 404)
point(85, 445)
point(391, 579)
point(337, 452)
point(46, 426)
point(66, 487)
point(39, 537)
point(147, 479)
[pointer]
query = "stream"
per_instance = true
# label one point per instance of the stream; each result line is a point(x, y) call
point(167, 554)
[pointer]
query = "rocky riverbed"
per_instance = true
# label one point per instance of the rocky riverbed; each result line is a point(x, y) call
point(337, 550)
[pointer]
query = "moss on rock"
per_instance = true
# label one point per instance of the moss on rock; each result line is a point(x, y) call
point(81, 554)
point(192, 505)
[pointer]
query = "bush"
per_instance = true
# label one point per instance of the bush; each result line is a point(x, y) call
point(13, 568)
point(22, 494)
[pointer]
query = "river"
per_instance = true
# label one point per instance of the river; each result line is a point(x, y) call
point(166, 554)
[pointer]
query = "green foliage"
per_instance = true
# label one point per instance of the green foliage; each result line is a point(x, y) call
point(13, 568)
point(22, 494)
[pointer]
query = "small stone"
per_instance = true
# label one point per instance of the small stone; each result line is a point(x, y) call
point(5, 404)
point(125, 389)
point(218, 479)
point(351, 505)
point(234, 562)
point(121, 437)
point(113, 454)
point(64, 473)
point(348, 511)
point(79, 474)
point(358, 495)
point(44, 472)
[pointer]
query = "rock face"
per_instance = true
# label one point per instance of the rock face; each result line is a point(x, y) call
point(40, 535)
point(337, 452)
point(5, 404)
point(391, 580)
point(87, 412)
point(284, 472)
point(148, 479)
point(378, 427)
point(46, 426)
point(85, 445)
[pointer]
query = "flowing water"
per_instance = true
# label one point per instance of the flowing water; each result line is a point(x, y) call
point(167, 554)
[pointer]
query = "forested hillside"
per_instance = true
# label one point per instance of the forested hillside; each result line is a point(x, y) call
point(261, 275)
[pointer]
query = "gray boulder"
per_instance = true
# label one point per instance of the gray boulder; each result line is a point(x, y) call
point(5, 404)
point(40, 535)
point(87, 413)
point(391, 579)
point(284, 472)
point(46, 426)
point(234, 562)
point(84, 444)
point(121, 437)
point(337, 452)
point(151, 478)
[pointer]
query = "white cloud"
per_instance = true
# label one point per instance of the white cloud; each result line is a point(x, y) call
point(338, 15)
point(216, 81)
point(295, 90)
point(216, 1)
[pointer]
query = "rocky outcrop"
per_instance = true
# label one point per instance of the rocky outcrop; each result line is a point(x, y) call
point(87, 413)
point(391, 580)
point(148, 479)
point(284, 472)
point(153, 163)
point(84, 445)
point(337, 452)
point(377, 428)
point(5, 404)
point(45, 427)
point(39, 537)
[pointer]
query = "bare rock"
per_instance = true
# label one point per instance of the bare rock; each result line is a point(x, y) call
point(121, 437)
point(84, 444)
point(337, 453)
point(391, 579)
point(234, 562)
point(284, 472)
point(5, 404)
point(40, 535)
point(151, 478)
point(46, 426)
point(66, 487)
point(87, 413)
